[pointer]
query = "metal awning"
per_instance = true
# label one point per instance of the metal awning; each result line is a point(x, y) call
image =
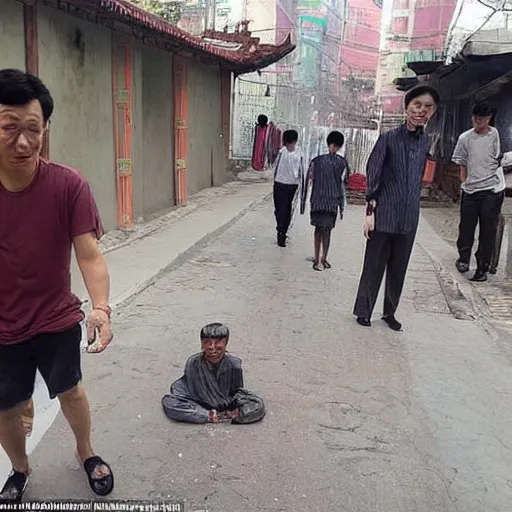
point(424, 62)
point(424, 68)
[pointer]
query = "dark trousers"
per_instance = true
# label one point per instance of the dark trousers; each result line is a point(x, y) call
point(384, 252)
point(283, 201)
point(481, 208)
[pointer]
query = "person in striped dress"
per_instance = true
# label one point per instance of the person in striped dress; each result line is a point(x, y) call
point(325, 175)
point(394, 173)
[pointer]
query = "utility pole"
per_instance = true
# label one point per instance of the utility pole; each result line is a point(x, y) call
point(207, 10)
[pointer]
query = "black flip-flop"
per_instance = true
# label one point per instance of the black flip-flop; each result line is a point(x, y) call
point(14, 487)
point(316, 266)
point(101, 486)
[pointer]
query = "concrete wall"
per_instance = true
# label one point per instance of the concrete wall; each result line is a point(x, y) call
point(75, 62)
point(206, 160)
point(158, 133)
point(12, 41)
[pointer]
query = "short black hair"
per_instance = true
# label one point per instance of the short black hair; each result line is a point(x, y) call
point(215, 331)
point(336, 138)
point(18, 88)
point(290, 136)
point(420, 90)
point(262, 120)
point(484, 109)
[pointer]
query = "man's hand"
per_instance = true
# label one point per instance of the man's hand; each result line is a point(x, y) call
point(99, 332)
point(96, 278)
point(212, 416)
point(369, 225)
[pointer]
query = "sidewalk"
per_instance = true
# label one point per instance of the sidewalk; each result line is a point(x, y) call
point(136, 259)
point(490, 303)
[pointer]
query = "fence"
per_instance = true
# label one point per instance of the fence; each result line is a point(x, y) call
point(250, 102)
point(359, 145)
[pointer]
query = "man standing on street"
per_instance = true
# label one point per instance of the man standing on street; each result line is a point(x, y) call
point(45, 210)
point(394, 173)
point(478, 152)
point(288, 175)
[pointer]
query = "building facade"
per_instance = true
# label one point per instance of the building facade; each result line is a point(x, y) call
point(255, 93)
point(359, 52)
point(138, 110)
point(418, 32)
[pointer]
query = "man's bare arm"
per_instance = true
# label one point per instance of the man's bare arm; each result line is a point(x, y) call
point(93, 268)
point(463, 173)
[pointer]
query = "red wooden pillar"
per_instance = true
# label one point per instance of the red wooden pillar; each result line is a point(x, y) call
point(225, 87)
point(31, 46)
point(180, 89)
point(122, 95)
point(32, 54)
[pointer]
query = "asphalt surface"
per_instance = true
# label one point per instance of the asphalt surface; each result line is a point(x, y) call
point(358, 419)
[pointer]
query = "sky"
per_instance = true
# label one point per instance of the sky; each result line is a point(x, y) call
point(472, 15)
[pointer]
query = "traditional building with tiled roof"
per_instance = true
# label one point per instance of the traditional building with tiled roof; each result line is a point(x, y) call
point(143, 108)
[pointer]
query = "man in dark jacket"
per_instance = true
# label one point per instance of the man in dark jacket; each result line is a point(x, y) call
point(394, 172)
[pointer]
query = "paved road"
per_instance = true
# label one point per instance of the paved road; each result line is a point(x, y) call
point(358, 419)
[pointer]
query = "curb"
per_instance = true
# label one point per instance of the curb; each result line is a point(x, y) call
point(462, 297)
point(124, 298)
point(190, 207)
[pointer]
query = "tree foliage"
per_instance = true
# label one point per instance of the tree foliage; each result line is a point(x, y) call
point(170, 10)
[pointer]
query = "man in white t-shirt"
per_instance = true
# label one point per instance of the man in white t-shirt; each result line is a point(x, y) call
point(478, 152)
point(288, 175)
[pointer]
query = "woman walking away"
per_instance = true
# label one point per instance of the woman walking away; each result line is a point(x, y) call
point(327, 196)
point(288, 175)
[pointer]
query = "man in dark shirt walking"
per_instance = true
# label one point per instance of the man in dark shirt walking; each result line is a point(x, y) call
point(394, 172)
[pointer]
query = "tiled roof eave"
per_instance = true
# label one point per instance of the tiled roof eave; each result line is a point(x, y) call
point(238, 61)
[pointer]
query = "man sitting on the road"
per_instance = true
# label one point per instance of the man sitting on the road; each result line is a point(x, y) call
point(46, 210)
point(212, 387)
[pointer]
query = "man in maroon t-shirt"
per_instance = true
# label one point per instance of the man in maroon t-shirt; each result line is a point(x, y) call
point(45, 210)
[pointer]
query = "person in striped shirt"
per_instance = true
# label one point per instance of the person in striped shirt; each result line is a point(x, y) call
point(325, 174)
point(394, 171)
